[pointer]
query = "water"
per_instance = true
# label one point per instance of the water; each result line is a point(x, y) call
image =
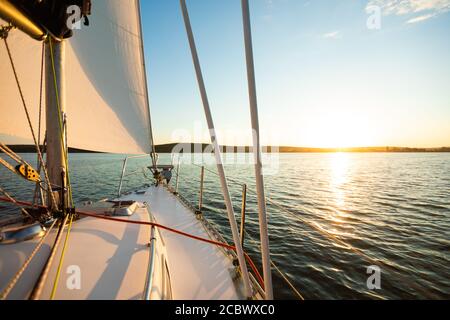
point(393, 207)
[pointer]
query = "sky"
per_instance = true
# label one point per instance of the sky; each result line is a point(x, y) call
point(329, 73)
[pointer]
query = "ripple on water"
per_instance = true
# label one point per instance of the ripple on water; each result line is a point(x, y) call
point(393, 207)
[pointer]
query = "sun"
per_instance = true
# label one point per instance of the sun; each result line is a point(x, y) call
point(341, 131)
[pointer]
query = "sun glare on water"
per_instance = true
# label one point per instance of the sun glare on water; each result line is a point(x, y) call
point(339, 164)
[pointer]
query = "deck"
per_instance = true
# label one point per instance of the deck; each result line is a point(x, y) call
point(113, 257)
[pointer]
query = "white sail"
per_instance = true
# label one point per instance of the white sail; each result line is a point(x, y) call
point(106, 98)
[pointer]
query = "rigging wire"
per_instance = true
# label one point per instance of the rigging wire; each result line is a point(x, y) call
point(8, 166)
point(11, 154)
point(221, 244)
point(39, 286)
point(12, 283)
point(216, 149)
point(41, 91)
point(310, 224)
point(24, 169)
point(61, 260)
point(38, 186)
point(38, 190)
point(14, 201)
point(348, 246)
point(280, 272)
point(287, 280)
point(38, 149)
point(316, 226)
point(321, 231)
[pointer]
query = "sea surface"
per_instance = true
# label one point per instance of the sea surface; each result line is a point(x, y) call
point(331, 216)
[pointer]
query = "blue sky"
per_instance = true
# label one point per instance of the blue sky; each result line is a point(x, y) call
point(324, 79)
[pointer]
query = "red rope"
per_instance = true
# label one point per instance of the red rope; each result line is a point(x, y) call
point(157, 225)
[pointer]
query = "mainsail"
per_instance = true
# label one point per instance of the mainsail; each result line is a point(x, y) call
point(106, 95)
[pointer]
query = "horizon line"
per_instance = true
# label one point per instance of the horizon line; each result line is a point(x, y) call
point(201, 147)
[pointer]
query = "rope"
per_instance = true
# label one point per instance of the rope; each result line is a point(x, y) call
point(37, 189)
point(5, 149)
point(38, 149)
point(37, 290)
point(310, 224)
point(315, 226)
point(41, 90)
point(324, 232)
point(4, 30)
point(234, 181)
point(280, 272)
point(153, 224)
point(8, 166)
point(13, 201)
point(287, 280)
point(217, 152)
point(357, 251)
point(61, 260)
point(17, 276)
point(14, 156)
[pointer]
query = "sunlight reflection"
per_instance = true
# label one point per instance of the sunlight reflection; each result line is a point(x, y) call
point(339, 165)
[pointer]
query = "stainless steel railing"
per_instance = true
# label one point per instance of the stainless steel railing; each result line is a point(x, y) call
point(124, 168)
point(212, 231)
point(151, 266)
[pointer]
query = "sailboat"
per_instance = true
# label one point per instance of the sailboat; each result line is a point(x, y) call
point(81, 64)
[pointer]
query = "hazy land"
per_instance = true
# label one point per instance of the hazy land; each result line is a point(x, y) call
point(197, 148)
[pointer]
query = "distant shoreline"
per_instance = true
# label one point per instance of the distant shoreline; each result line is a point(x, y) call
point(197, 148)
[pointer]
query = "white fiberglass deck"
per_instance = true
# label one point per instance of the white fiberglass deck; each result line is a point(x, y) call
point(113, 257)
point(198, 270)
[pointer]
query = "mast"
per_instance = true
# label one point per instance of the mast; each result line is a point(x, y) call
point(48, 22)
point(55, 113)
